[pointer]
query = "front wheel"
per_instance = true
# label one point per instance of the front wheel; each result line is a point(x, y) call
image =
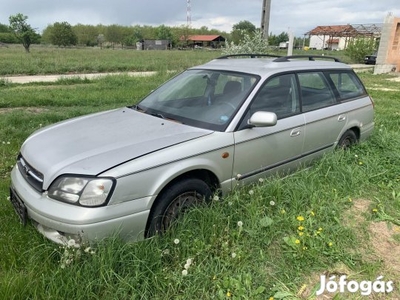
point(174, 202)
point(348, 139)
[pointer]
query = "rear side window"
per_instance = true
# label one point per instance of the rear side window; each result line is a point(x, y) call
point(347, 84)
point(315, 91)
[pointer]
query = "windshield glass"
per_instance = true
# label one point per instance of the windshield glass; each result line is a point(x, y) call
point(203, 98)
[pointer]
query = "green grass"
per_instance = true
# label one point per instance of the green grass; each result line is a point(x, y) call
point(293, 228)
point(50, 60)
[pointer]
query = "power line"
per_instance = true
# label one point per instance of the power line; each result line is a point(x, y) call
point(188, 13)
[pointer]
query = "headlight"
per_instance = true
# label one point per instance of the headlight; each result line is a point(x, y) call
point(85, 191)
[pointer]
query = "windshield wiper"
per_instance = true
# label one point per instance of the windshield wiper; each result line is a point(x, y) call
point(161, 116)
point(158, 115)
point(136, 107)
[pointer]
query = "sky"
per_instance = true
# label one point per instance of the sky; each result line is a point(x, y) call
point(296, 16)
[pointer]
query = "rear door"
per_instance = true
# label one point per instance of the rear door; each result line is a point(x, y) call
point(324, 119)
point(329, 100)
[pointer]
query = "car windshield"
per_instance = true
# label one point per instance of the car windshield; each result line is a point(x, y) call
point(203, 98)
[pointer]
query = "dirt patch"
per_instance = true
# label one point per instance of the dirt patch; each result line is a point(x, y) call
point(382, 246)
point(33, 110)
point(395, 79)
point(383, 241)
point(383, 89)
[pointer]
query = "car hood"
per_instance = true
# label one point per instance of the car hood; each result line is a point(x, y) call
point(92, 144)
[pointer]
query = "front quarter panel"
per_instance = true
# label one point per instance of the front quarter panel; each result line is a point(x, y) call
point(148, 175)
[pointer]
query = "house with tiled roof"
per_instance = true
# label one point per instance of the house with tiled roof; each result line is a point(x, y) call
point(330, 37)
point(337, 37)
point(212, 41)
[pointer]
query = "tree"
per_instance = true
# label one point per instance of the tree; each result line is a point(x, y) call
point(86, 34)
point(4, 28)
point(22, 30)
point(283, 37)
point(63, 35)
point(241, 29)
point(114, 35)
point(183, 35)
point(164, 33)
point(275, 40)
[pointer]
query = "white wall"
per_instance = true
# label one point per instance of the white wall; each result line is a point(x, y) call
point(320, 42)
point(317, 42)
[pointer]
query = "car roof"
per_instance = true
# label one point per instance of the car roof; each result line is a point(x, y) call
point(261, 65)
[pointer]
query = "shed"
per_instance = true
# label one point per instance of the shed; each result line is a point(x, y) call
point(195, 41)
point(154, 45)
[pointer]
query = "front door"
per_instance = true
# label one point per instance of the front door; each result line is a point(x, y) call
point(260, 151)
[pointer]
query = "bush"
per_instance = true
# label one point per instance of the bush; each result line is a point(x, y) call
point(359, 48)
point(8, 38)
point(250, 44)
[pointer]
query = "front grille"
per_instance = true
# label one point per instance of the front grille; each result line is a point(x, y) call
point(31, 175)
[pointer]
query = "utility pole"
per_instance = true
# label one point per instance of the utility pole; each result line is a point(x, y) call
point(265, 15)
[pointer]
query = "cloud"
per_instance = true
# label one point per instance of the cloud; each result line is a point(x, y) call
point(299, 15)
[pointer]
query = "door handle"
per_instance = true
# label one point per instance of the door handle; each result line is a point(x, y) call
point(341, 118)
point(295, 132)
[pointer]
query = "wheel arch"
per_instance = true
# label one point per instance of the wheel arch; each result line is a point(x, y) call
point(202, 174)
point(348, 138)
point(357, 131)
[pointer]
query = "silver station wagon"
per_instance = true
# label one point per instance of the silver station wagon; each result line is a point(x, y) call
point(132, 171)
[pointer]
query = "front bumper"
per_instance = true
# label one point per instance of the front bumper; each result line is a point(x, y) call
point(61, 222)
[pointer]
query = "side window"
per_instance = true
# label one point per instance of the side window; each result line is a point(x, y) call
point(315, 91)
point(278, 95)
point(347, 84)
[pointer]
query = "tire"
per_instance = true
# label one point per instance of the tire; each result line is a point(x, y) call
point(348, 139)
point(174, 202)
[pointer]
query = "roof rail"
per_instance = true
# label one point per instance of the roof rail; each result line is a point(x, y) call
point(310, 57)
point(251, 55)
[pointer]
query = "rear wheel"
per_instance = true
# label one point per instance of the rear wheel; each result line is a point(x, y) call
point(175, 201)
point(348, 139)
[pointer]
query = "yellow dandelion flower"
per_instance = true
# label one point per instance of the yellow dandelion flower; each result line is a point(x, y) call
point(300, 228)
point(229, 294)
point(297, 241)
point(301, 290)
point(375, 210)
point(330, 244)
point(301, 233)
point(300, 218)
point(360, 163)
point(283, 211)
point(271, 298)
point(320, 229)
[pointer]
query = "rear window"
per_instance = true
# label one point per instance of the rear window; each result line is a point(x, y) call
point(347, 84)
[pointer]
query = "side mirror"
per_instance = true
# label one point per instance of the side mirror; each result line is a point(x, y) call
point(263, 119)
